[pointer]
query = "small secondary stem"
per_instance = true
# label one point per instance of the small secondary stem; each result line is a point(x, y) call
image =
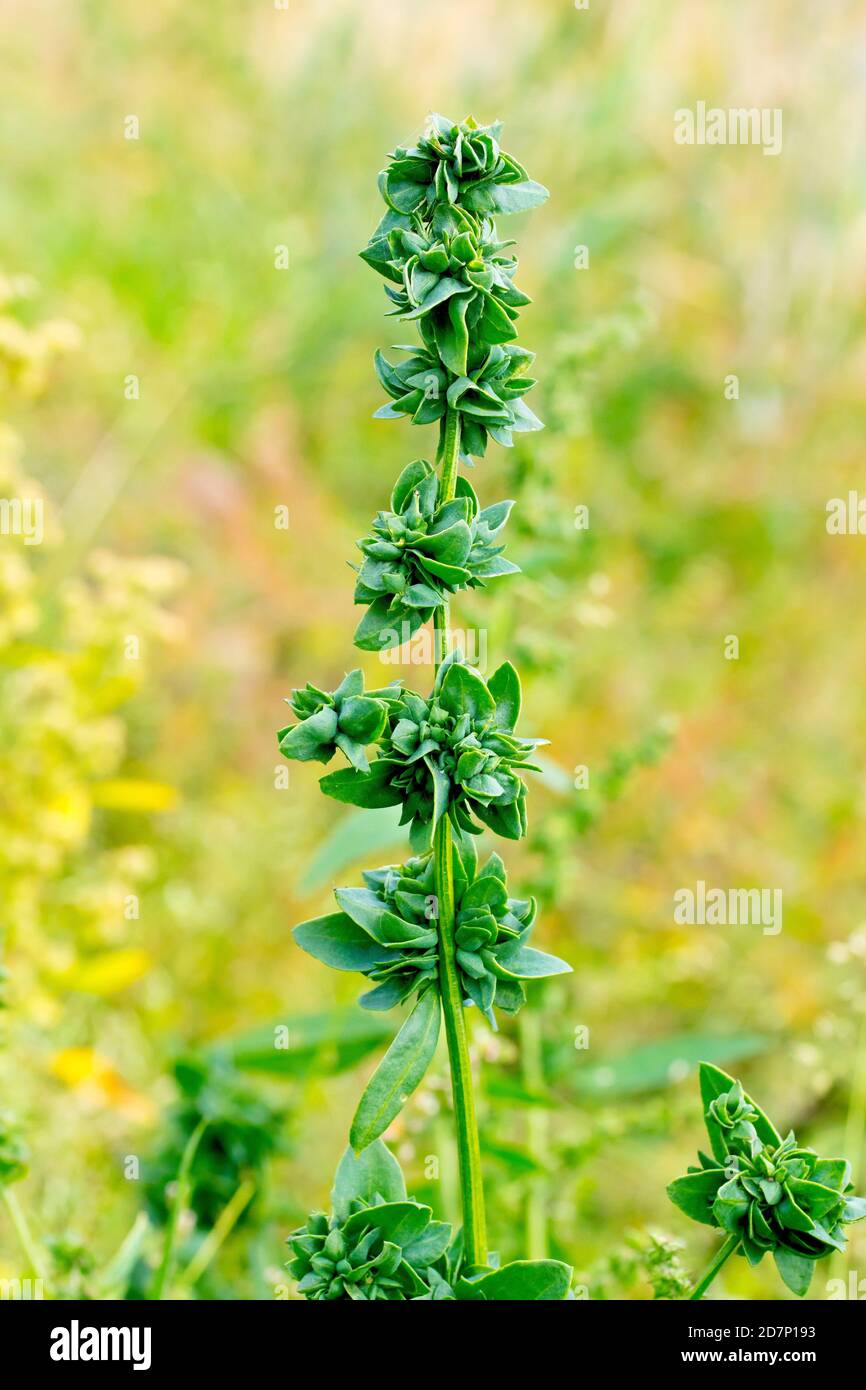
point(468, 1148)
point(722, 1254)
point(165, 1272)
point(22, 1230)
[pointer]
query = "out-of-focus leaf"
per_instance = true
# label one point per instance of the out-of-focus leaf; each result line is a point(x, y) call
point(505, 1088)
point(554, 776)
point(309, 1044)
point(658, 1064)
point(352, 838)
point(516, 1159)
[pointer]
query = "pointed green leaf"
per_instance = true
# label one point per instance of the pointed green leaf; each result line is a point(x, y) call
point(796, 1270)
point(523, 1281)
point(361, 1177)
point(398, 1073)
point(339, 942)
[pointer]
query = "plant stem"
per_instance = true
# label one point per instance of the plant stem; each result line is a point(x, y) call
point(181, 1197)
point(218, 1233)
point(723, 1253)
point(468, 1149)
point(449, 452)
point(22, 1230)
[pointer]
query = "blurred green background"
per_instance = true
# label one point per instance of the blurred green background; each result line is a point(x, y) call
point(151, 863)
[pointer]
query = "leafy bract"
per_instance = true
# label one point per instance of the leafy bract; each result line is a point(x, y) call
point(769, 1193)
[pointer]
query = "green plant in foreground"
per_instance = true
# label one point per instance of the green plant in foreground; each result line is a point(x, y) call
point(438, 929)
point(379, 1244)
point(767, 1193)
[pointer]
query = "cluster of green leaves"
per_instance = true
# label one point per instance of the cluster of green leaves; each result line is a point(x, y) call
point(347, 718)
point(419, 552)
point(488, 396)
point(387, 931)
point(378, 1244)
point(437, 243)
point(243, 1130)
point(453, 753)
point(770, 1193)
point(458, 165)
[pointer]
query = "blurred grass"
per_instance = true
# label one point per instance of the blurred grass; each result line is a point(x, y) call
point(262, 127)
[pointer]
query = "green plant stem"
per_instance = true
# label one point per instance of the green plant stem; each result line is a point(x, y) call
point(22, 1230)
point(166, 1269)
point(468, 1149)
point(723, 1253)
point(449, 454)
point(218, 1233)
point(536, 1135)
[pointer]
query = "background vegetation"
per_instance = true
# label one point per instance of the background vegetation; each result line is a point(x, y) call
point(151, 865)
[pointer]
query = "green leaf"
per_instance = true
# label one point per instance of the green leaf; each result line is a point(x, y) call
point(446, 287)
point(369, 789)
point(337, 941)
point(384, 926)
point(504, 686)
point(832, 1172)
point(413, 476)
point(854, 1209)
point(463, 691)
point(514, 1157)
point(398, 1073)
point(796, 1270)
point(449, 547)
point(519, 197)
point(525, 963)
point(401, 1222)
point(365, 1176)
point(353, 837)
point(731, 1206)
point(452, 336)
point(695, 1193)
point(362, 719)
point(715, 1083)
point(306, 741)
point(307, 1044)
point(430, 1245)
point(379, 630)
point(524, 1281)
point(654, 1066)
